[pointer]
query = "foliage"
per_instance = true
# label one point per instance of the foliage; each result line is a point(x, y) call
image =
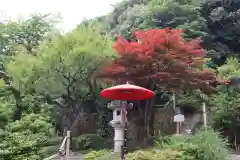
point(96, 154)
point(126, 17)
point(177, 14)
point(23, 139)
point(49, 76)
point(211, 145)
point(162, 56)
point(230, 69)
point(7, 107)
point(166, 154)
point(105, 129)
point(191, 15)
point(82, 143)
point(193, 97)
point(62, 56)
point(225, 104)
point(63, 71)
point(26, 35)
point(223, 23)
point(204, 145)
point(48, 151)
point(89, 141)
point(129, 16)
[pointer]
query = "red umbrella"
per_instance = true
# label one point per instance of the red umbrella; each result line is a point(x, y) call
point(127, 92)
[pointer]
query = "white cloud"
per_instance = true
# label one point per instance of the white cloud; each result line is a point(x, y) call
point(72, 11)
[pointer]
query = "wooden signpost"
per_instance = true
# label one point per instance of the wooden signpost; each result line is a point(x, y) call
point(179, 118)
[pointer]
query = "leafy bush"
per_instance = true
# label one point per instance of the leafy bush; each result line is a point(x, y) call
point(23, 139)
point(53, 141)
point(225, 114)
point(154, 154)
point(97, 141)
point(204, 145)
point(96, 154)
point(49, 150)
point(81, 143)
point(90, 141)
point(105, 129)
point(226, 105)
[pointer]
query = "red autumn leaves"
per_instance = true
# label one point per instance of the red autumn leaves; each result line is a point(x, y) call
point(162, 56)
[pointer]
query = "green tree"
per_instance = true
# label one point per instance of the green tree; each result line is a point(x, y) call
point(225, 104)
point(129, 16)
point(20, 38)
point(177, 14)
point(126, 17)
point(26, 35)
point(63, 70)
point(223, 23)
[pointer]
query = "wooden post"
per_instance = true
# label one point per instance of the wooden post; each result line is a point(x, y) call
point(174, 101)
point(174, 107)
point(177, 130)
point(180, 127)
point(62, 157)
point(204, 115)
point(68, 146)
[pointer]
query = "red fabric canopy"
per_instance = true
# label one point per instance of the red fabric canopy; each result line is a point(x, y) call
point(127, 92)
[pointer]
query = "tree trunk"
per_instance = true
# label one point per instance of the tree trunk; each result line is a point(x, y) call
point(145, 122)
point(18, 99)
point(151, 122)
point(151, 117)
point(67, 122)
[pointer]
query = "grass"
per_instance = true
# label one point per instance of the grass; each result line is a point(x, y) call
point(112, 156)
point(86, 151)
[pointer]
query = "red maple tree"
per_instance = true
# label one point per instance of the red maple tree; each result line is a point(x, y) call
point(162, 56)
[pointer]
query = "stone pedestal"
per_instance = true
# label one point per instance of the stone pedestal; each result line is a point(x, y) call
point(118, 139)
point(118, 123)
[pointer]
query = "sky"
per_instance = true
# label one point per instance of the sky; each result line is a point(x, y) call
point(71, 11)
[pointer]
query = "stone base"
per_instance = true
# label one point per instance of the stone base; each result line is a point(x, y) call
point(118, 139)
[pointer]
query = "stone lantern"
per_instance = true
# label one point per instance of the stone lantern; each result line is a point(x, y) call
point(121, 94)
point(118, 123)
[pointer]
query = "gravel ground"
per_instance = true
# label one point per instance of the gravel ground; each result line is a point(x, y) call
point(235, 157)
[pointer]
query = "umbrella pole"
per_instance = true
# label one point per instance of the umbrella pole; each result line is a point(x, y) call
point(124, 147)
point(125, 143)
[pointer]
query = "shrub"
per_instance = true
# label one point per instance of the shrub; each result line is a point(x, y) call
point(98, 142)
point(81, 143)
point(96, 154)
point(204, 145)
point(210, 145)
point(48, 151)
point(89, 141)
point(53, 141)
point(25, 138)
point(225, 105)
point(105, 129)
point(154, 154)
